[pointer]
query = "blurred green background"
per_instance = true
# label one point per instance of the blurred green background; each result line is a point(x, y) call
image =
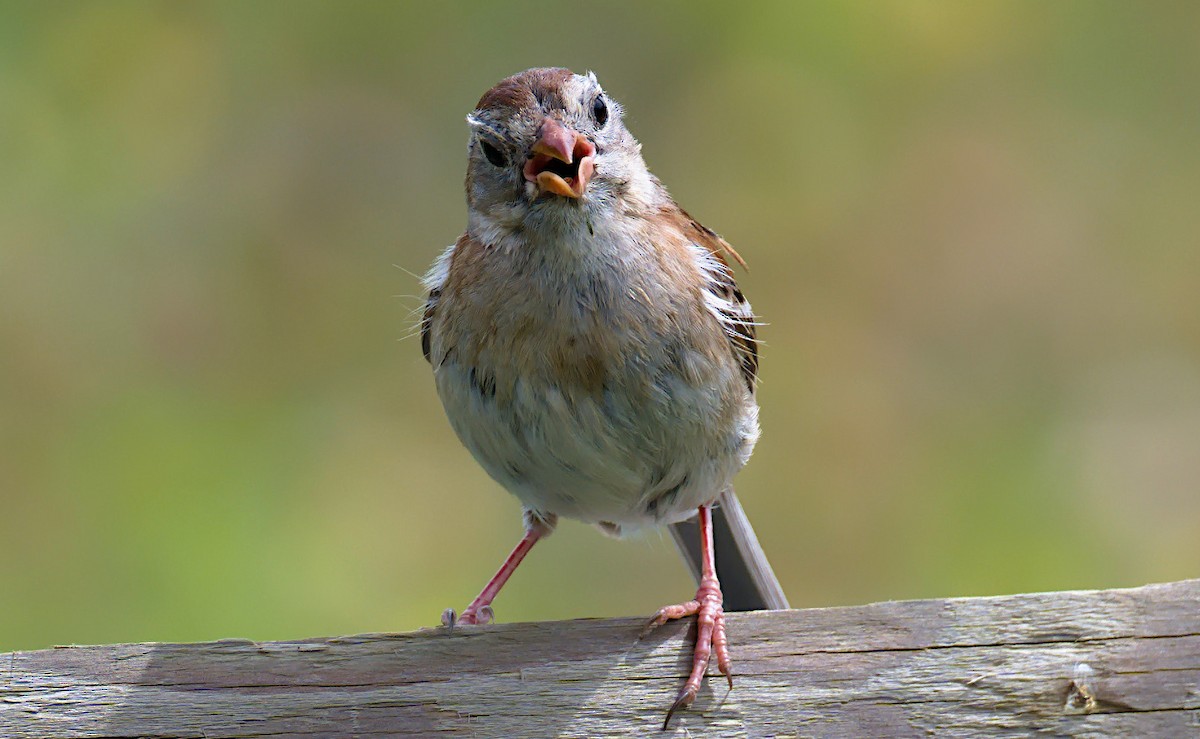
point(972, 228)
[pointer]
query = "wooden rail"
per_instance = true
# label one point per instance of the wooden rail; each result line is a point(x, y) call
point(1114, 663)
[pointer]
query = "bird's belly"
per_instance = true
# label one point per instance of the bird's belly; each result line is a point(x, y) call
point(641, 447)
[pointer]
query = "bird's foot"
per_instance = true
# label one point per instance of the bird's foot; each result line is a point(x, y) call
point(537, 525)
point(710, 639)
point(481, 615)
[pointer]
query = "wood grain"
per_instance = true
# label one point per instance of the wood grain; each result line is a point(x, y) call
point(1115, 663)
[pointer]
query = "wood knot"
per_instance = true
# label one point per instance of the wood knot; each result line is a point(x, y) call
point(1081, 691)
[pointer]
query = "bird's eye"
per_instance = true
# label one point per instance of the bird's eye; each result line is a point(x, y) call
point(494, 155)
point(600, 110)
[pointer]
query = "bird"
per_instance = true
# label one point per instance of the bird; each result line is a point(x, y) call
point(592, 349)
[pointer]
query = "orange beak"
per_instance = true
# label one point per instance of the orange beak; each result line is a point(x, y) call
point(563, 160)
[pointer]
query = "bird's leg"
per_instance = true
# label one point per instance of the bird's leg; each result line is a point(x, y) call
point(480, 610)
point(710, 621)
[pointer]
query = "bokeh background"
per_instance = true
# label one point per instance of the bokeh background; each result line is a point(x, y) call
point(973, 230)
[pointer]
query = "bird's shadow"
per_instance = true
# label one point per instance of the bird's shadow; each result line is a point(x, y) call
point(578, 678)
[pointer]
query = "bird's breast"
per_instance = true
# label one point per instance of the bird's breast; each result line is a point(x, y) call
point(592, 392)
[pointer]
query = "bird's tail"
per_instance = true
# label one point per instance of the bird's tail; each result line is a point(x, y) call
point(747, 580)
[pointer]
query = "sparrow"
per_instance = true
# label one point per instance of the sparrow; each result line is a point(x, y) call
point(589, 342)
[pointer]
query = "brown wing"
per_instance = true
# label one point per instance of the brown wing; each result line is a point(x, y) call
point(426, 320)
point(739, 323)
point(726, 300)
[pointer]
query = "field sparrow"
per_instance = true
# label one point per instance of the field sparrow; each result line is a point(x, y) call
point(589, 343)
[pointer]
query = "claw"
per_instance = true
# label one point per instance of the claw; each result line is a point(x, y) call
point(686, 696)
point(669, 613)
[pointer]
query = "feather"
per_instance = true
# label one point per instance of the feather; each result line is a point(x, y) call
point(722, 296)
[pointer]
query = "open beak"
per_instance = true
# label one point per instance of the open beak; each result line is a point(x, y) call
point(563, 160)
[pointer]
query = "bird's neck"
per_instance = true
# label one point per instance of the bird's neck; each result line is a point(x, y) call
point(602, 224)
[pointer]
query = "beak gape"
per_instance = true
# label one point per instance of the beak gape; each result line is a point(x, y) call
point(563, 160)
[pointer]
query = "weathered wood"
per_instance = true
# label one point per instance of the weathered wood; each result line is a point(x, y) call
point(1116, 663)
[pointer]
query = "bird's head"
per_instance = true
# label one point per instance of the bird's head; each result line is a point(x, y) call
point(547, 140)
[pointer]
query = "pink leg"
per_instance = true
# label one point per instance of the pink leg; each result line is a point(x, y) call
point(710, 621)
point(480, 609)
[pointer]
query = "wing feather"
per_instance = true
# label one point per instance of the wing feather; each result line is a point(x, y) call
point(433, 282)
point(723, 297)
